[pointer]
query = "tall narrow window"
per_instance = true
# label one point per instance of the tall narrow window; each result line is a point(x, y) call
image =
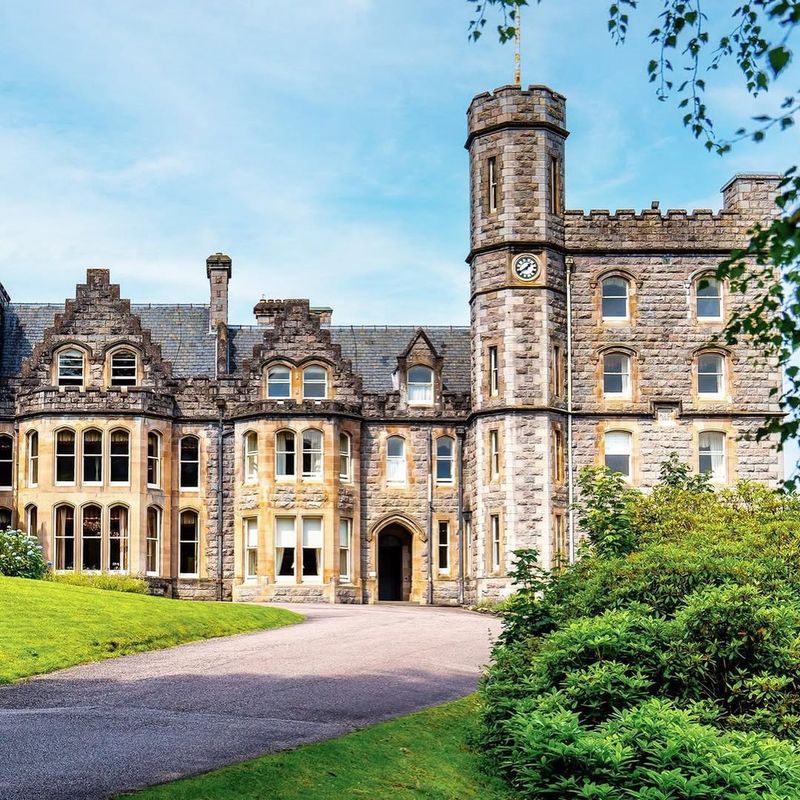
point(65, 457)
point(312, 547)
point(494, 454)
point(345, 533)
point(33, 458)
point(712, 455)
point(443, 547)
point(123, 368)
point(5, 518)
point(315, 383)
point(420, 386)
point(188, 543)
point(396, 459)
point(615, 298)
point(153, 460)
point(312, 454)
point(285, 547)
point(118, 539)
point(91, 538)
point(120, 456)
point(70, 368)
point(279, 382)
point(557, 372)
point(250, 548)
point(494, 372)
point(344, 457)
point(285, 454)
point(6, 462)
point(190, 462)
point(445, 446)
point(153, 544)
point(708, 292)
point(251, 457)
point(560, 556)
point(495, 542)
point(618, 449)
point(92, 456)
point(492, 184)
point(32, 520)
point(710, 375)
point(558, 455)
point(616, 375)
point(65, 538)
point(555, 185)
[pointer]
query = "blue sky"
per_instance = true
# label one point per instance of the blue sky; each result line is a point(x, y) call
point(318, 143)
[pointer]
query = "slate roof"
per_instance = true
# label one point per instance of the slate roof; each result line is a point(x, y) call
point(182, 333)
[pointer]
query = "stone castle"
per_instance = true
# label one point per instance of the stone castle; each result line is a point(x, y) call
point(295, 459)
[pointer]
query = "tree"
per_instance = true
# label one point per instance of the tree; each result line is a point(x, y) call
point(758, 43)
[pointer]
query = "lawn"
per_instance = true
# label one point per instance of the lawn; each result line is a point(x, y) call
point(420, 757)
point(46, 626)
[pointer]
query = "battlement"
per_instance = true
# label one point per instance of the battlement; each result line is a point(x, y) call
point(513, 107)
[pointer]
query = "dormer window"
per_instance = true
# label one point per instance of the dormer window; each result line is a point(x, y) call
point(420, 386)
point(279, 382)
point(315, 383)
point(70, 368)
point(123, 368)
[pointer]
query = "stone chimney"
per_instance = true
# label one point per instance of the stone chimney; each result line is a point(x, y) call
point(218, 269)
point(752, 194)
point(266, 310)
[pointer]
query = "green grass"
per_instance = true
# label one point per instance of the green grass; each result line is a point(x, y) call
point(46, 626)
point(420, 757)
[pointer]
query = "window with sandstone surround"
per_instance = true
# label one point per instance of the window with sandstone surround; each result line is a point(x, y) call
point(189, 462)
point(6, 462)
point(443, 547)
point(494, 371)
point(560, 555)
point(119, 452)
point(91, 538)
point(616, 375)
point(557, 371)
point(420, 386)
point(279, 382)
point(70, 368)
point(445, 449)
point(92, 457)
point(708, 298)
point(188, 544)
point(344, 456)
point(554, 181)
point(251, 457)
point(123, 368)
point(615, 298)
point(31, 520)
point(711, 455)
point(495, 542)
point(315, 383)
point(250, 535)
point(153, 460)
point(492, 184)
point(285, 450)
point(153, 541)
point(558, 456)
point(5, 519)
point(312, 548)
point(285, 548)
point(65, 457)
point(494, 454)
point(33, 458)
point(618, 448)
point(345, 538)
point(396, 460)
point(64, 538)
point(312, 454)
point(710, 375)
point(118, 539)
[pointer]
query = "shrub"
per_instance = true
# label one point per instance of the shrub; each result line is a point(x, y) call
point(113, 583)
point(21, 555)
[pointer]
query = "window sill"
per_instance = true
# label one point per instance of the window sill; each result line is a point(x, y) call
point(192, 490)
point(188, 576)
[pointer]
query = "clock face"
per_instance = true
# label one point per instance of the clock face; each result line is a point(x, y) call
point(526, 267)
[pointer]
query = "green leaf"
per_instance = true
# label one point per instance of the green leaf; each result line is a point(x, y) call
point(779, 57)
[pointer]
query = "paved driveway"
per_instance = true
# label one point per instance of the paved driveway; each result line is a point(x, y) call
point(96, 730)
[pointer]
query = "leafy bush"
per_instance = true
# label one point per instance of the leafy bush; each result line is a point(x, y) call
point(21, 555)
point(113, 583)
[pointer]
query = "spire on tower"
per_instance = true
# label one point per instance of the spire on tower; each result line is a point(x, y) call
point(517, 41)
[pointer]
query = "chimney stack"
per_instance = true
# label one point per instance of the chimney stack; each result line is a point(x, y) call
point(218, 269)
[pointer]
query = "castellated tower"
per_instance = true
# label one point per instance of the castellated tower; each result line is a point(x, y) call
point(518, 321)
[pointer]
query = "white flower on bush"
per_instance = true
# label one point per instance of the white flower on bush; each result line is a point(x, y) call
point(21, 555)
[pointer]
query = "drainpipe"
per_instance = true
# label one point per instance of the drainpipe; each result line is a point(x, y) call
point(220, 483)
point(461, 433)
point(570, 478)
point(430, 517)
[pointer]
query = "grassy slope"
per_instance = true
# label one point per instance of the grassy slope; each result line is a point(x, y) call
point(420, 757)
point(46, 626)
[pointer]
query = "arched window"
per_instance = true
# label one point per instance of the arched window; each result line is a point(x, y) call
point(153, 459)
point(445, 447)
point(120, 456)
point(123, 368)
point(188, 544)
point(312, 454)
point(91, 538)
point(279, 382)
point(65, 457)
point(616, 375)
point(32, 520)
point(710, 375)
point(344, 456)
point(190, 462)
point(118, 538)
point(6, 462)
point(285, 454)
point(708, 296)
point(70, 368)
point(711, 456)
point(65, 538)
point(153, 543)
point(92, 456)
point(615, 298)
point(315, 383)
point(5, 518)
point(251, 457)
point(396, 459)
point(33, 458)
point(420, 386)
point(618, 450)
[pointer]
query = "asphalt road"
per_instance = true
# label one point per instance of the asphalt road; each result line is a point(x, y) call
point(100, 729)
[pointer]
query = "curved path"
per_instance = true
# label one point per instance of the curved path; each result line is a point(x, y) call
point(99, 729)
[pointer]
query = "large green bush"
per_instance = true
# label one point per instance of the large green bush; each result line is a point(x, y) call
point(21, 555)
point(665, 664)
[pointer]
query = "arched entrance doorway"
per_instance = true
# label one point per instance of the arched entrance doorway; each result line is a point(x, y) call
point(394, 563)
